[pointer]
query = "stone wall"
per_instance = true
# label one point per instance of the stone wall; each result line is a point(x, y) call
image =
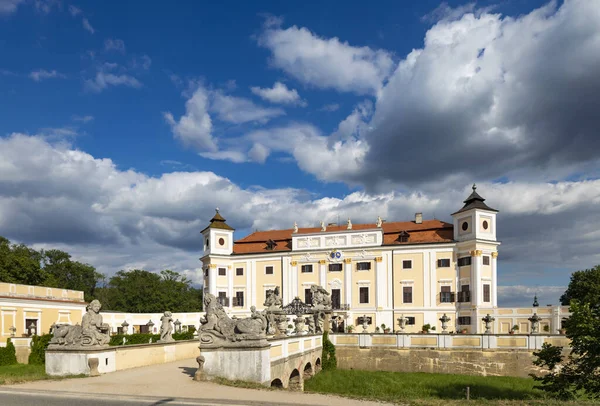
point(485, 355)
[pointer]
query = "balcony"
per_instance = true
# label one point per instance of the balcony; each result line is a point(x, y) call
point(338, 306)
point(223, 301)
point(238, 302)
point(447, 297)
point(464, 296)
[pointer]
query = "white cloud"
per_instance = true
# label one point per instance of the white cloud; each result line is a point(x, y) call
point(238, 110)
point(102, 80)
point(146, 62)
point(56, 196)
point(74, 10)
point(325, 62)
point(279, 93)
point(194, 128)
point(42, 74)
point(9, 6)
point(114, 45)
point(87, 26)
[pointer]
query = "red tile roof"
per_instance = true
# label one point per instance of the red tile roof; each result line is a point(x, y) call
point(429, 231)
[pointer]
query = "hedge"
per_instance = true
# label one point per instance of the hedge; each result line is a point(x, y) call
point(145, 338)
point(8, 354)
point(329, 360)
point(38, 349)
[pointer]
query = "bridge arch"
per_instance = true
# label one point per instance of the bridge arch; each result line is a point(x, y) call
point(295, 382)
point(276, 383)
point(308, 371)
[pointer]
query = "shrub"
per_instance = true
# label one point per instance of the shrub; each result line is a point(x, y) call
point(328, 354)
point(38, 349)
point(145, 338)
point(186, 335)
point(8, 354)
point(426, 327)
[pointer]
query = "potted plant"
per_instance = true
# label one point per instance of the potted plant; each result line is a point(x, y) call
point(514, 329)
point(426, 327)
point(433, 328)
point(385, 329)
point(350, 328)
point(377, 329)
point(463, 331)
point(562, 330)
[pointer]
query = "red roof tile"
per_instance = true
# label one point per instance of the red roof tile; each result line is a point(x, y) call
point(429, 231)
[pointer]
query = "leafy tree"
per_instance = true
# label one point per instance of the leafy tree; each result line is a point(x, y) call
point(580, 373)
point(66, 274)
point(584, 286)
point(20, 264)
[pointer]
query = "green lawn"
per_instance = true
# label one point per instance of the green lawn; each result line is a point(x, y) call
point(10, 374)
point(428, 389)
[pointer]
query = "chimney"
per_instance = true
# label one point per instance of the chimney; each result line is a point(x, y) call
point(418, 218)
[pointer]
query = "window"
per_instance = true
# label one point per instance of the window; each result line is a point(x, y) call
point(269, 270)
point(464, 320)
point(239, 271)
point(361, 320)
point(221, 241)
point(335, 267)
point(364, 294)
point(403, 236)
point(306, 269)
point(143, 329)
point(271, 245)
point(206, 272)
point(222, 272)
point(464, 261)
point(407, 294)
point(464, 295)
point(486, 293)
point(335, 298)
point(238, 300)
point(222, 299)
point(465, 226)
point(307, 296)
point(363, 266)
point(407, 264)
point(485, 224)
point(443, 263)
point(446, 296)
point(486, 260)
point(410, 321)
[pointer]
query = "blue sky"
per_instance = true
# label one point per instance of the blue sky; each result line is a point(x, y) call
point(140, 120)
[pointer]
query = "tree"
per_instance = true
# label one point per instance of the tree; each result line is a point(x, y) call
point(580, 373)
point(20, 264)
point(141, 291)
point(63, 273)
point(584, 286)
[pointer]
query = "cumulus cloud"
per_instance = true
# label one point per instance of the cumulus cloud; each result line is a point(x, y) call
point(103, 80)
point(74, 10)
point(114, 45)
point(279, 93)
point(54, 195)
point(39, 75)
point(9, 6)
point(488, 94)
point(195, 127)
point(326, 63)
point(330, 108)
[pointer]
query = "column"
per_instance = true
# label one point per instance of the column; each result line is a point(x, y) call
point(285, 280)
point(380, 285)
point(348, 281)
point(433, 279)
point(322, 273)
point(293, 282)
point(494, 287)
point(248, 291)
point(476, 296)
point(253, 285)
point(426, 280)
point(212, 279)
point(230, 272)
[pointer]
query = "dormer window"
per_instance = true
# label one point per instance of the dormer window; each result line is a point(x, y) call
point(403, 236)
point(271, 245)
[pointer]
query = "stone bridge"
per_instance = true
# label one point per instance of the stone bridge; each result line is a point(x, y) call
point(285, 362)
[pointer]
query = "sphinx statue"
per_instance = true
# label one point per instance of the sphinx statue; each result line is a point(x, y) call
point(91, 333)
point(219, 330)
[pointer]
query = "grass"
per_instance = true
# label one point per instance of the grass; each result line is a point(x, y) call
point(429, 389)
point(10, 374)
point(19, 373)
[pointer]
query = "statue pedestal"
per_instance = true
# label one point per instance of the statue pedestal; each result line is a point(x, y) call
point(245, 364)
point(64, 362)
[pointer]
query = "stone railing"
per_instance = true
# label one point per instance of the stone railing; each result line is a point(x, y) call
point(450, 341)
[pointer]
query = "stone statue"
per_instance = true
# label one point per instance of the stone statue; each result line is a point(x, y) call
point(349, 224)
point(295, 227)
point(311, 325)
point(273, 300)
point(219, 330)
point(323, 228)
point(299, 323)
point(319, 318)
point(321, 300)
point(91, 333)
point(166, 329)
point(379, 221)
